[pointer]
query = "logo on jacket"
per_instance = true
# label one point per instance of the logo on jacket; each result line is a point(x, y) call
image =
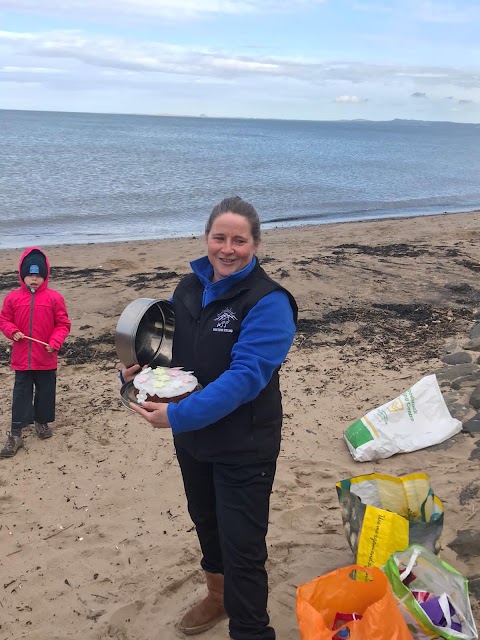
point(223, 319)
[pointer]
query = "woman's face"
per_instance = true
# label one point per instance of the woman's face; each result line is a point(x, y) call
point(230, 244)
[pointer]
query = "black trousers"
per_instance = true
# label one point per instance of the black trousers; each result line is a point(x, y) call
point(33, 398)
point(229, 505)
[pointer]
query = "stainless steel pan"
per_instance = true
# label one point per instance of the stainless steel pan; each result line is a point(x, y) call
point(144, 333)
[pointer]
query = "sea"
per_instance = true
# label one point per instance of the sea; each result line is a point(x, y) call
point(70, 178)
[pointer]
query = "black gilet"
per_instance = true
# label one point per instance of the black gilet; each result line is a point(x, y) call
point(202, 343)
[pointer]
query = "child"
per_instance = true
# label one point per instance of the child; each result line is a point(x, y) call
point(34, 311)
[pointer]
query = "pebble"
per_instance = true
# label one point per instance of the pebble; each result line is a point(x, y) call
point(460, 380)
point(460, 357)
point(475, 332)
point(472, 345)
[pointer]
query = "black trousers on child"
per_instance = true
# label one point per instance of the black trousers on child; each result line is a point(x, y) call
point(229, 505)
point(33, 398)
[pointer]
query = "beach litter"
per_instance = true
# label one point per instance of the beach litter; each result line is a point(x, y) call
point(432, 595)
point(359, 599)
point(416, 419)
point(382, 514)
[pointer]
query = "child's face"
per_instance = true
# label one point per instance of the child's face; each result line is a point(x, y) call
point(33, 280)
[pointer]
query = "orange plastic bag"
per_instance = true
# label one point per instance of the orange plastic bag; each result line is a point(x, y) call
point(367, 593)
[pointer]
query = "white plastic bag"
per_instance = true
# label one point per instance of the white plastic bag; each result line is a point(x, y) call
point(418, 418)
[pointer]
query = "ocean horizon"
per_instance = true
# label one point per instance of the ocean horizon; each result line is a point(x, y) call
point(204, 115)
point(76, 178)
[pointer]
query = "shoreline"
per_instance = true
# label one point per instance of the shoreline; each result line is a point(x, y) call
point(271, 228)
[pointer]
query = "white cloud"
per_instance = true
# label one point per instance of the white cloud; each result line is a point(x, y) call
point(349, 99)
point(430, 11)
point(73, 51)
point(372, 7)
point(421, 74)
point(141, 9)
point(446, 12)
point(31, 70)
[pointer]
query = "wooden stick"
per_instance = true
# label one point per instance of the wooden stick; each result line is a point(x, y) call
point(55, 533)
point(35, 340)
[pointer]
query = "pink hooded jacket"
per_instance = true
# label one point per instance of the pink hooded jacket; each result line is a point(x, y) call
point(41, 315)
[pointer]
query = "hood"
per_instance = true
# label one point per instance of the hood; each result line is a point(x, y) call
point(26, 253)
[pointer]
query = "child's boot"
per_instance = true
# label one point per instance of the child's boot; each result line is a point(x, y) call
point(42, 430)
point(11, 446)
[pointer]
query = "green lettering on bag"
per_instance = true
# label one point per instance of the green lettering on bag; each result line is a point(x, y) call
point(358, 434)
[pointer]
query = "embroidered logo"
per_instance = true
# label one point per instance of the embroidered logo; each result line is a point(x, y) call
point(223, 319)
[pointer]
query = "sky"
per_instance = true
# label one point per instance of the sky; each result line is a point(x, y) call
point(280, 59)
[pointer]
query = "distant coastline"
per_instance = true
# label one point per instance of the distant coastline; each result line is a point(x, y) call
point(213, 117)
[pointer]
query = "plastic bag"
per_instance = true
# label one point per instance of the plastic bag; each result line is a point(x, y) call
point(345, 591)
point(382, 514)
point(426, 572)
point(418, 418)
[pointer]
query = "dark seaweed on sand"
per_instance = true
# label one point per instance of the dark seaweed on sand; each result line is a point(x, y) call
point(406, 331)
point(77, 350)
point(89, 350)
point(9, 280)
point(85, 275)
point(97, 350)
point(139, 280)
point(400, 250)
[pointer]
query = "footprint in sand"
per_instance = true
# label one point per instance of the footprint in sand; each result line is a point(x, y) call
point(303, 519)
point(123, 616)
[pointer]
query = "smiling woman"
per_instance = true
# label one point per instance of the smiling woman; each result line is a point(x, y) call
point(232, 238)
point(233, 328)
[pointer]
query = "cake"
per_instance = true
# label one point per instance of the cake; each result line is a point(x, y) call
point(163, 384)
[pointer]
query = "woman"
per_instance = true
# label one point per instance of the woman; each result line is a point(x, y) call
point(233, 328)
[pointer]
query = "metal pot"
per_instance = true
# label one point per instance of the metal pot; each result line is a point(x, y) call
point(144, 333)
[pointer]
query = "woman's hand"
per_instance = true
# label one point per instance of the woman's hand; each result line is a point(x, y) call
point(153, 412)
point(18, 335)
point(128, 373)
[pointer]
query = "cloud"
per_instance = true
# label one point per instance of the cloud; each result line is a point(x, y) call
point(349, 99)
point(429, 11)
point(31, 70)
point(74, 50)
point(460, 100)
point(435, 11)
point(148, 9)
point(372, 7)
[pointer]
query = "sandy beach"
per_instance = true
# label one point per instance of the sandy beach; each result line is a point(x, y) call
point(95, 538)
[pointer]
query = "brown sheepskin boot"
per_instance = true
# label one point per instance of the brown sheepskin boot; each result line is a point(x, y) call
point(206, 613)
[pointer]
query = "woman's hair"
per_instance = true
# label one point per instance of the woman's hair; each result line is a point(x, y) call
point(240, 207)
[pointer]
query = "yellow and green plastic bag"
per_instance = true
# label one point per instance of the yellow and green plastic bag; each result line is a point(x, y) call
point(382, 514)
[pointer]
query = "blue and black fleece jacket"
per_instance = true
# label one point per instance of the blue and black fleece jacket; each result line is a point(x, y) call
point(234, 334)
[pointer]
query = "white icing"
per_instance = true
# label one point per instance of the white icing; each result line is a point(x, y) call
point(163, 382)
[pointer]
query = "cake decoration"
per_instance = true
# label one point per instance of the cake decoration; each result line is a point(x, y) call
point(162, 384)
